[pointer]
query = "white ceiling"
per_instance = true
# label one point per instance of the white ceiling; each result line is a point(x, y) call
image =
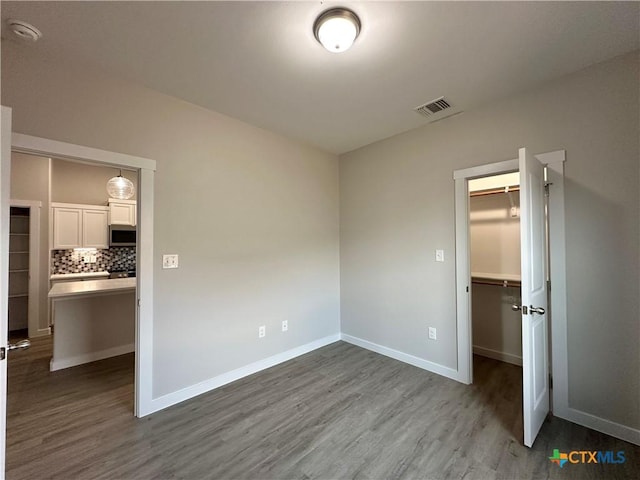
point(259, 61)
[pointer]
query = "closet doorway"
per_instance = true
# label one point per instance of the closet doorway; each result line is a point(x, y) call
point(494, 241)
point(535, 306)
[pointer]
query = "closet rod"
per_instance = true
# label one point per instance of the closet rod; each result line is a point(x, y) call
point(494, 191)
point(497, 283)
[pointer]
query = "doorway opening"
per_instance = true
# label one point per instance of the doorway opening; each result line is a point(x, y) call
point(494, 241)
point(24, 269)
point(143, 298)
point(504, 283)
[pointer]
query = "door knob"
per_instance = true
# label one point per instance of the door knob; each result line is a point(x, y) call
point(516, 308)
point(19, 345)
point(538, 310)
point(13, 346)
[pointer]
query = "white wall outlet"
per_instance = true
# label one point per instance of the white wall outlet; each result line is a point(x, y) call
point(170, 261)
point(439, 255)
point(514, 212)
point(262, 331)
point(432, 333)
point(285, 325)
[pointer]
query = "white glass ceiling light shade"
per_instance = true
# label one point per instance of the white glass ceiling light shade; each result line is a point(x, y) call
point(337, 29)
point(120, 187)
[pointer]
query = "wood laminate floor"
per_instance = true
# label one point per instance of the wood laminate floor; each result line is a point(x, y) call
point(338, 412)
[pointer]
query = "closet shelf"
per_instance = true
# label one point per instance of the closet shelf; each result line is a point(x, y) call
point(494, 191)
point(497, 279)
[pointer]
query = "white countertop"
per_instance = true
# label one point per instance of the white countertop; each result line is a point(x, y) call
point(92, 287)
point(59, 276)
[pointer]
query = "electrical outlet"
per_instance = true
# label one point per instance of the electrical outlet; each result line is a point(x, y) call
point(262, 331)
point(439, 255)
point(285, 325)
point(432, 333)
point(170, 261)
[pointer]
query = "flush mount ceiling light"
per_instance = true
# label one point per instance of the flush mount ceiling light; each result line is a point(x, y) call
point(120, 187)
point(24, 30)
point(336, 29)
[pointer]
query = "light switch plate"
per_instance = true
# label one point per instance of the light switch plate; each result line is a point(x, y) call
point(170, 261)
point(439, 255)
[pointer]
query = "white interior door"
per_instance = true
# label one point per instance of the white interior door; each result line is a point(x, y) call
point(535, 366)
point(5, 179)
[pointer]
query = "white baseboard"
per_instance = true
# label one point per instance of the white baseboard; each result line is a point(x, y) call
point(403, 357)
point(496, 355)
point(41, 332)
point(623, 432)
point(90, 357)
point(228, 377)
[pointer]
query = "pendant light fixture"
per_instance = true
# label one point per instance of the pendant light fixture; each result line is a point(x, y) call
point(120, 187)
point(336, 29)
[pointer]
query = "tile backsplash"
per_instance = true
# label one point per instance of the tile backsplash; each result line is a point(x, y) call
point(115, 258)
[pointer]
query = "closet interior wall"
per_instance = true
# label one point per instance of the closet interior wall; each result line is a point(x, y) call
point(495, 266)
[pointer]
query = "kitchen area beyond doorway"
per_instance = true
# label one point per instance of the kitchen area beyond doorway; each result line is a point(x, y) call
point(87, 262)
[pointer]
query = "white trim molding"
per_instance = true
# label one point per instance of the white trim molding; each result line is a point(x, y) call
point(403, 357)
point(497, 355)
point(91, 357)
point(67, 151)
point(623, 432)
point(5, 183)
point(228, 377)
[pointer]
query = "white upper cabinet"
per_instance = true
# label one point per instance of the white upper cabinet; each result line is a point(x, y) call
point(122, 212)
point(95, 228)
point(67, 228)
point(80, 226)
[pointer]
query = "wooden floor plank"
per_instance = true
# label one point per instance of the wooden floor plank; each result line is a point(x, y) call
point(338, 412)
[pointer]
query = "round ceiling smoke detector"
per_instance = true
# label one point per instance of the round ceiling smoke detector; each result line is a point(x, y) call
point(24, 30)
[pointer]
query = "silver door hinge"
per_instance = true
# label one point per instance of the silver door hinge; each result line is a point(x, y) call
point(3, 353)
point(550, 381)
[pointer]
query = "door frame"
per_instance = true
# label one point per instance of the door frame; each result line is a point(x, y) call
point(5, 179)
point(33, 314)
point(558, 299)
point(144, 251)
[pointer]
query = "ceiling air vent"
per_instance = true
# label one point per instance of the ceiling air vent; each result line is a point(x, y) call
point(433, 107)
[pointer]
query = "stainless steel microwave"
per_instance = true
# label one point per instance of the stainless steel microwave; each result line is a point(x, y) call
point(122, 236)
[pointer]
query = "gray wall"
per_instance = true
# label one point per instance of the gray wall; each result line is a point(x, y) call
point(397, 207)
point(30, 181)
point(73, 182)
point(253, 216)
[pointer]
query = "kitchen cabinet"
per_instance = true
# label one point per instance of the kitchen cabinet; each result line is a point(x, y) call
point(80, 226)
point(122, 212)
